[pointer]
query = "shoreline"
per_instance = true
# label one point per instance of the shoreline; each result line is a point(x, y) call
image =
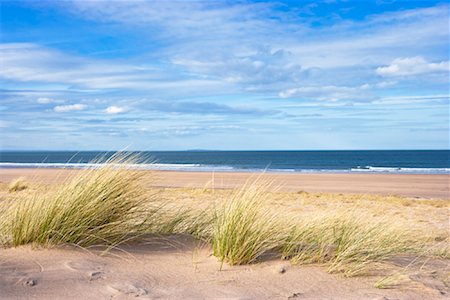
point(430, 186)
point(230, 169)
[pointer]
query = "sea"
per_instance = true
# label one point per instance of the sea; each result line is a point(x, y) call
point(362, 161)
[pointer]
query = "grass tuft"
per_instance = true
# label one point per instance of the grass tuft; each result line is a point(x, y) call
point(348, 242)
point(392, 281)
point(103, 205)
point(17, 185)
point(244, 228)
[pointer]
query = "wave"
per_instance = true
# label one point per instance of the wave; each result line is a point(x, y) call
point(227, 168)
point(397, 170)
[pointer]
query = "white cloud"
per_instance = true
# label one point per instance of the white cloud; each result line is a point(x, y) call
point(412, 66)
point(45, 100)
point(259, 48)
point(34, 63)
point(439, 98)
point(4, 124)
point(25, 62)
point(363, 92)
point(385, 84)
point(328, 93)
point(69, 108)
point(244, 27)
point(375, 40)
point(262, 67)
point(115, 110)
point(247, 49)
point(177, 17)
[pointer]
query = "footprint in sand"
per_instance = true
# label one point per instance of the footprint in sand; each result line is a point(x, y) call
point(93, 270)
point(19, 274)
point(431, 282)
point(30, 282)
point(127, 289)
point(373, 296)
point(96, 275)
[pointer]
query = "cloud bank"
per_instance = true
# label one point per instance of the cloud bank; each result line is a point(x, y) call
point(291, 74)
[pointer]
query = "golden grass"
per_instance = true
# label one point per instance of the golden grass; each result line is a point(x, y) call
point(392, 281)
point(103, 205)
point(349, 242)
point(244, 227)
point(17, 185)
point(346, 236)
point(309, 198)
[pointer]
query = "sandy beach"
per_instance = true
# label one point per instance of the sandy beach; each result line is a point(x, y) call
point(420, 186)
point(179, 266)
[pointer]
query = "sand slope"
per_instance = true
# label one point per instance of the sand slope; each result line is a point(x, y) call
point(178, 268)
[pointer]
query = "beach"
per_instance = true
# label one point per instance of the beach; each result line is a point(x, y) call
point(180, 266)
point(409, 185)
point(201, 149)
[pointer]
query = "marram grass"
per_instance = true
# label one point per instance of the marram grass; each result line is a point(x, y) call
point(17, 185)
point(349, 242)
point(98, 206)
point(244, 227)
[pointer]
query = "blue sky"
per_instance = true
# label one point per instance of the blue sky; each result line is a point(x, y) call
point(176, 75)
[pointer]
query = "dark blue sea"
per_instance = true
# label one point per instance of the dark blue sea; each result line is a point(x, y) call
point(386, 161)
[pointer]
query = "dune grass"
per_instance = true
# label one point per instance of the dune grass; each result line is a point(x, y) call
point(98, 206)
point(244, 227)
point(392, 281)
point(185, 219)
point(107, 205)
point(349, 242)
point(17, 185)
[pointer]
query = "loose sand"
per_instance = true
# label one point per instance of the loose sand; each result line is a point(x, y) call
point(178, 268)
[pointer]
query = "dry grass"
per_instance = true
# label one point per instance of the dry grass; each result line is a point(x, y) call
point(309, 198)
point(104, 205)
point(442, 250)
point(244, 227)
point(247, 225)
point(350, 236)
point(392, 281)
point(349, 242)
point(185, 219)
point(17, 185)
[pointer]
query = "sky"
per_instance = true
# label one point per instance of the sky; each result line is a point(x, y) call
point(224, 75)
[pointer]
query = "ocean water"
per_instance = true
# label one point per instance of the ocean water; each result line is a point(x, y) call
point(385, 161)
